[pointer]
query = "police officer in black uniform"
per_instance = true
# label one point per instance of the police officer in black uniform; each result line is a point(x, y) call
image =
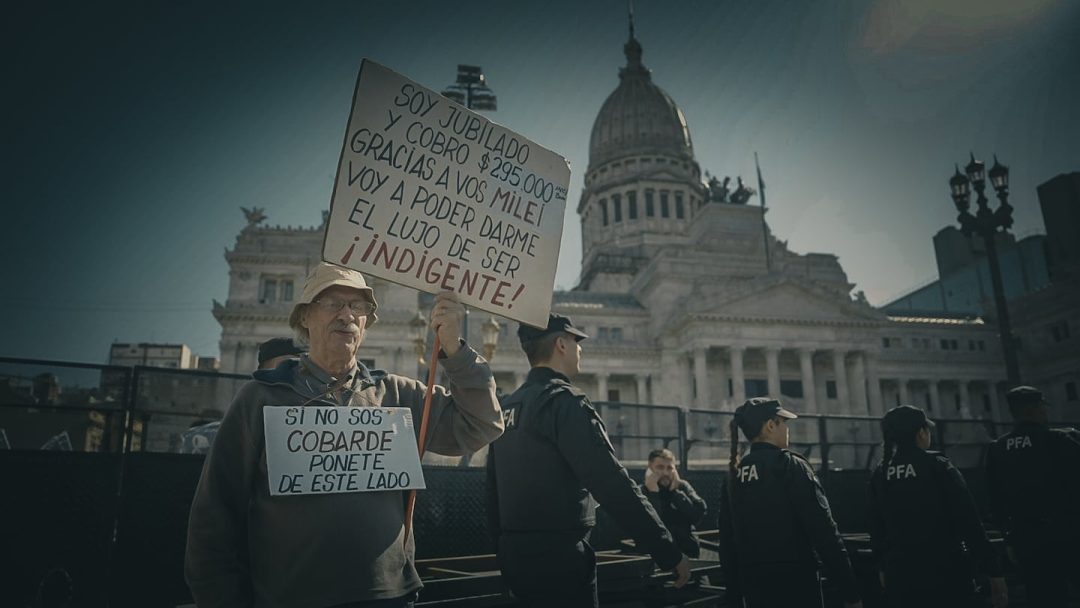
point(1034, 477)
point(774, 517)
point(921, 519)
point(554, 453)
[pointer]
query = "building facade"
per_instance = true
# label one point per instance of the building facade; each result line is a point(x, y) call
point(964, 286)
point(1059, 200)
point(172, 356)
point(688, 296)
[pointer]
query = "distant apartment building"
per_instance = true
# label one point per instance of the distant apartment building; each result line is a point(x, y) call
point(172, 356)
point(168, 402)
point(207, 364)
point(1059, 199)
point(1041, 278)
point(964, 286)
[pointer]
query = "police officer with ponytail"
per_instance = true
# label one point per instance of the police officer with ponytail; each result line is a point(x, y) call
point(925, 530)
point(774, 518)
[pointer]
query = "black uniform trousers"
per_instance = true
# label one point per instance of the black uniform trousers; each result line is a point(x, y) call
point(545, 569)
point(1047, 569)
point(780, 587)
point(930, 581)
point(958, 593)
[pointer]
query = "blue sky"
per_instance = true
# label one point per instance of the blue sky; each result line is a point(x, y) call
point(137, 131)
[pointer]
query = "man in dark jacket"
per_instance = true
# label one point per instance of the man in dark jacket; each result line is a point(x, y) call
point(679, 506)
point(554, 454)
point(275, 350)
point(1034, 478)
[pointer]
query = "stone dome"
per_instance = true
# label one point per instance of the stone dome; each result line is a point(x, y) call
point(638, 118)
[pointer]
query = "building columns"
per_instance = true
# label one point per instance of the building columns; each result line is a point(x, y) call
point(902, 384)
point(873, 382)
point(248, 358)
point(992, 392)
point(738, 383)
point(840, 375)
point(772, 363)
point(721, 380)
point(701, 377)
point(806, 366)
point(935, 397)
point(858, 385)
point(965, 398)
point(601, 387)
point(228, 356)
point(643, 389)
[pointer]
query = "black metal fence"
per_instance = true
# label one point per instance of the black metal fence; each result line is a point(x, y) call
point(702, 438)
point(99, 465)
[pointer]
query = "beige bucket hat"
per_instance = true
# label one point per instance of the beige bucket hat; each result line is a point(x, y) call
point(325, 275)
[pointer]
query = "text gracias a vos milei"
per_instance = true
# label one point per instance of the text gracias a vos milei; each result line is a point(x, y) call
point(427, 146)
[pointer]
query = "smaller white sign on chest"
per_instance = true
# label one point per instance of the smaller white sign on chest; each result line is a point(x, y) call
point(329, 450)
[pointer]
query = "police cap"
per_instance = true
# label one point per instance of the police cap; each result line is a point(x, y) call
point(1023, 396)
point(277, 347)
point(753, 414)
point(556, 323)
point(904, 420)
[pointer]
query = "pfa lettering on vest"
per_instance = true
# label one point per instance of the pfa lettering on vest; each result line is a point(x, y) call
point(900, 471)
point(508, 417)
point(748, 473)
point(1016, 443)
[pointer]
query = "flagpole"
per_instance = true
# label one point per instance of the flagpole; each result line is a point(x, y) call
point(764, 226)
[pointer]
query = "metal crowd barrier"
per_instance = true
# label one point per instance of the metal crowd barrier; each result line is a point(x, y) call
point(100, 463)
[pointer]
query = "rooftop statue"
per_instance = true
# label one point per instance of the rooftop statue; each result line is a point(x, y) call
point(254, 216)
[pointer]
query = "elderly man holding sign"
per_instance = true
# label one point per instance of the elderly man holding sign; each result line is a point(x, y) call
point(301, 499)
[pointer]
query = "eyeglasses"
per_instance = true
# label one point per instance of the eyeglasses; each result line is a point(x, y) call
point(360, 308)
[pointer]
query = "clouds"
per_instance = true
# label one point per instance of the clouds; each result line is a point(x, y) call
point(944, 27)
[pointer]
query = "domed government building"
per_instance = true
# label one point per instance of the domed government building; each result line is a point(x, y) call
point(688, 296)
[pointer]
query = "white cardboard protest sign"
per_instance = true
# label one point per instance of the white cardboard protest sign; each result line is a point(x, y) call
point(329, 450)
point(434, 196)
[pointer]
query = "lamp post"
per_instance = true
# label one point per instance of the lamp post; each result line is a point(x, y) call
point(489, 332)
point(985, 222)
point(470, 90)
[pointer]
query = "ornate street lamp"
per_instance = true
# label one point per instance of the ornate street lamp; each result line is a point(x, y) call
point(470, 89)
point(986, 222)
point(418, 335)
point(490, 336)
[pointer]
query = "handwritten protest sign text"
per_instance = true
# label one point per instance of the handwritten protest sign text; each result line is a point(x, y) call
point(434, 196)
point(326, 450)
